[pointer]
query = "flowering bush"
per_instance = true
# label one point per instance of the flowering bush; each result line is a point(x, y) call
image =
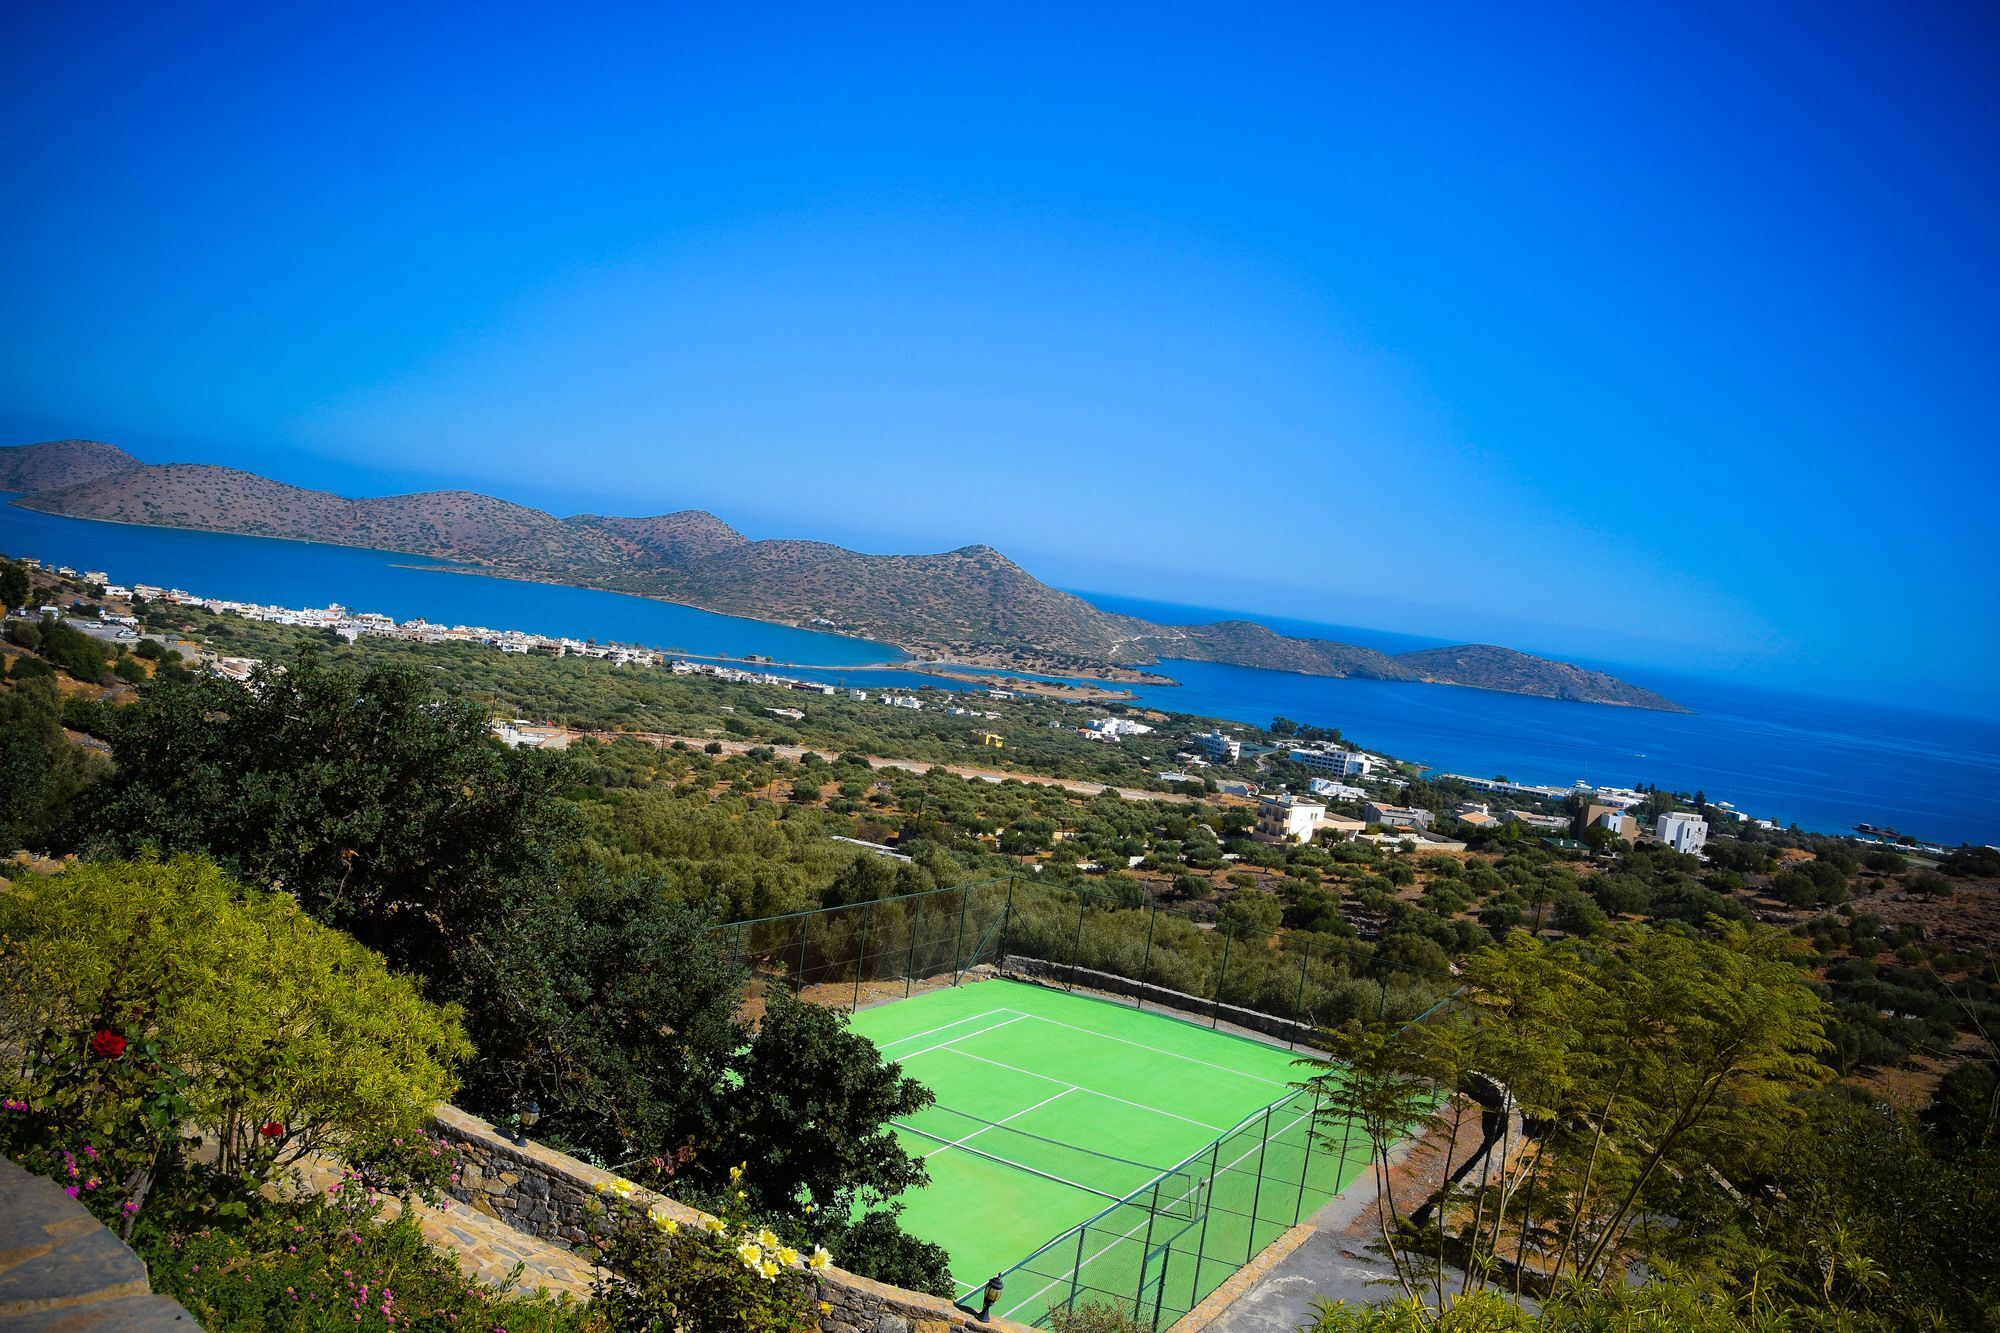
point(324, 1264)
point(724, 1275)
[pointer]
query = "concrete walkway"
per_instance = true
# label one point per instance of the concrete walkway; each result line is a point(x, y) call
point(62, 1269)
point(1339, 1260)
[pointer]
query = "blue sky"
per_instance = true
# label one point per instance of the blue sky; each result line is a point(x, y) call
point(1663, 338)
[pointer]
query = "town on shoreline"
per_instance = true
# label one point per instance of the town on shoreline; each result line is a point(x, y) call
point(1607, 803)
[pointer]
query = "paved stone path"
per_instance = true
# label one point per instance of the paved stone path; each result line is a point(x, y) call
point(62, 1269)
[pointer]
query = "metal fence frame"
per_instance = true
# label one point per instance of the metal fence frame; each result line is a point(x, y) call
point(1017, 912)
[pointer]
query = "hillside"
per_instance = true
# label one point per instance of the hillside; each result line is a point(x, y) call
point(42, 467)
point(1490, 668)
point(972, 602)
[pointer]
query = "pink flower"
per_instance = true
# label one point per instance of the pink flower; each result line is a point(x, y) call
point(106, 1045)
point(70, 1190)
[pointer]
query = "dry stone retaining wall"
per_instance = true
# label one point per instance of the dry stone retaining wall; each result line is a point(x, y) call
point(549, 1194)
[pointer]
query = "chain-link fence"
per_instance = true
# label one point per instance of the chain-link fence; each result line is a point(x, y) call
point(1158, 1252)
point(1180, 1233)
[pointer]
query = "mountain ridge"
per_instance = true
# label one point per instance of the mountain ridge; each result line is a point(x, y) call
point(969, 602)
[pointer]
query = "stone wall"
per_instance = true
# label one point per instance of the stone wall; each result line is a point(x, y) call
point(542, 1192)
point(1109, 983)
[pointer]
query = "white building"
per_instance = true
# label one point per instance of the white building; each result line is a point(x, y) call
point(1226, 749)
point(1336, 791)
point(1340, 763)
point(1288, 819)
point(1685, 833)
point(1118, 726)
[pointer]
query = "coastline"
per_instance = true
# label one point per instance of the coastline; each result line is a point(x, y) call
point(1000, 660)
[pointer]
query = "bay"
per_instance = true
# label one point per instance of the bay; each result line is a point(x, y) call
point(304, 574)
point(1823, 764)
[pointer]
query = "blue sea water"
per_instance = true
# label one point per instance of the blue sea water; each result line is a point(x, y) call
point(301, 574)
point(1821, 763)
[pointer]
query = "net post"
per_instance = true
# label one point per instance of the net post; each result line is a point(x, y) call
point(1215, 1006)
point(1257, 1195)
point(958, 944)
point(860, 956)
point(1208, 1206)
point(1146, 965)
point(1146, 1251)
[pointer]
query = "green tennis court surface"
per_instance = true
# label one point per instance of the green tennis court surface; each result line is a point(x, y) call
point(1158, 1155)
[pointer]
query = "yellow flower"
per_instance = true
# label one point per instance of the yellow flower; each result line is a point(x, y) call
point(712, 1225)
point(768, 1269)
point(788, 1256)
point(812, 1207)
point(749, 1254)
point(619, 1186)
point(766, 1239)
point(820, 1258)
point(736, 1172)
point(665, 1223)
point(826, 1307)
point(740, 1195)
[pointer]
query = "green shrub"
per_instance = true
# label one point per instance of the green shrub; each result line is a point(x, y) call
point(728, 1275)
point(314, 1264)
point(149, 998)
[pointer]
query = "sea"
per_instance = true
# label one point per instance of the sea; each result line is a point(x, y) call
point(1824, 764)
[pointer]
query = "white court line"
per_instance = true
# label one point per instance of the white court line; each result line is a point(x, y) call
point(1093, 1092)
point(1171, 1055)
point(957, 1143)
point(967, 1036)
point(1127, 1234)
point(969, 1018)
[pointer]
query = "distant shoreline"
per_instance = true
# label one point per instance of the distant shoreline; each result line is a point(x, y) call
point(1110, 675)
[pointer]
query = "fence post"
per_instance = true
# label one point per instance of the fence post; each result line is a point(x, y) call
point(1076, 945)
point(1305, 1161)
point(1076, 1270)
point(861, 956)
point(916, 911)
point(958, 944)
point(1146, 966)
point(805, 933)
point(1160, 1287)
point(1215, 1009)
point(1299, 1005)
point(1146, 1251)
point(1207, 1206)
point(1007, 922)
point(1257, 1195)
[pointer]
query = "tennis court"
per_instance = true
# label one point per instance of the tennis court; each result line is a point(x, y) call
point(1094, 1151)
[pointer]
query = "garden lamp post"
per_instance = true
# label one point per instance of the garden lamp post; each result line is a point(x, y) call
point(525, 1119)
point(991, 1298)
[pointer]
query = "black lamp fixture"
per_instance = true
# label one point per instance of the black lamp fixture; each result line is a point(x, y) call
point(991, 1297)
point(525, 1119)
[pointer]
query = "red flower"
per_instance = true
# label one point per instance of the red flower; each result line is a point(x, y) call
point(272, 1129)
point(106, 1045)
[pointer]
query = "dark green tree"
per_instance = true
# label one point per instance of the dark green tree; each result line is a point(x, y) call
point(382, 806)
